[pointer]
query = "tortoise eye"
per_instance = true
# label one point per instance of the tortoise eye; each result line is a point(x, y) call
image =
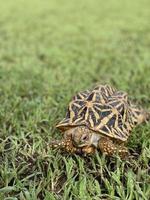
point(84, 137)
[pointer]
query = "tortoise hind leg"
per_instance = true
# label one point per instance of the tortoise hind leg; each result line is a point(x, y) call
point(146, 115)
point(109, 148)
point(138, 115)
point(141, 116)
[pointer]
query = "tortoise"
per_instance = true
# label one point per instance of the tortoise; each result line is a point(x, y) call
point(101, 118)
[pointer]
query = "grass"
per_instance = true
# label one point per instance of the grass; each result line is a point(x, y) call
point(49, 50)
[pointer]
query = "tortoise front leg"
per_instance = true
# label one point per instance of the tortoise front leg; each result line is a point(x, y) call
point(65, 145)
point(107, 147)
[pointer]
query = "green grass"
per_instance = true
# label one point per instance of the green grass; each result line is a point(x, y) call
point(49, 50)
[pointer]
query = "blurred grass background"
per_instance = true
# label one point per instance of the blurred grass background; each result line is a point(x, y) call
point(49, 50)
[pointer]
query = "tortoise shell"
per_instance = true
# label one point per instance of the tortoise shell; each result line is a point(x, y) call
point(103, 110)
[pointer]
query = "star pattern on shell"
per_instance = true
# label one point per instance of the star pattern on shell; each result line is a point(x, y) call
point(103, 110)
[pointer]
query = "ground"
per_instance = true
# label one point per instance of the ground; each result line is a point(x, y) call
point(49, 50)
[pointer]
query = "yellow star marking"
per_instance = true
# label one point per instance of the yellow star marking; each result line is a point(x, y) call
point(89, 104)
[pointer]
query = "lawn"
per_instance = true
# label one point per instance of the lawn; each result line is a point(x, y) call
point(49, 50)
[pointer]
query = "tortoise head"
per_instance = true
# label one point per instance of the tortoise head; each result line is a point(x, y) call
point(82, 136)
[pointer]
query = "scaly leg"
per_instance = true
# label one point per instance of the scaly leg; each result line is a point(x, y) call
point(139, 115)
point(107, 147)
point(67, 145)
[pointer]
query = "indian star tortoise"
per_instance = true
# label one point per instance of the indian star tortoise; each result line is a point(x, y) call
point(101, 118)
